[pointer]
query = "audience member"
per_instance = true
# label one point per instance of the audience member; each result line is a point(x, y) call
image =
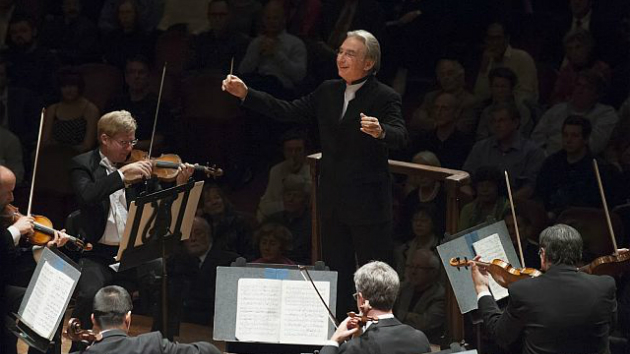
point(424, 237)
point(128, 39)
point(451, 79)
point(71, 37)
point(32, 66)
point(231, 231)
point(303, 17)
point(141, 103)
point(193, 272)
point(296, 217)
point(619, 136)
point(274, 242)
point(589, 88)
point(525, 229)
point(502, 83)
point(567, 178)
point(191, 13)
point(423, 191)
point(422, 300)
point(246, 15)
point(214, 49)
point(275, 61)
point(508, 151)
point(490, 201)
point(7, 8)
point(146, 13)
point(72, 121)
point(445, 139)
point(11, 154)
point(294, 151)
point(499, 53)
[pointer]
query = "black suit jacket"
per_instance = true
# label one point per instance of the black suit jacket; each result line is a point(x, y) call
point(92, 187)
point(354, 182)
point(117, 341)
point(562, 311)
point(387, 336)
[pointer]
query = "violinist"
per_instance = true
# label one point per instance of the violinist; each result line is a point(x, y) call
point(104, 190)
point(561, 311)
point(376, 286)
point(112, 319)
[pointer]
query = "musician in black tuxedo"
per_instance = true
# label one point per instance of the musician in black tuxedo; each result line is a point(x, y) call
point(377, 286)
point(104, 192)
point(359, 121)
point(562, 311)
point(112, 319)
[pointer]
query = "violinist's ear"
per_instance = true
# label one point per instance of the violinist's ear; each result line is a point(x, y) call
point(128, 320)
point(94, 324)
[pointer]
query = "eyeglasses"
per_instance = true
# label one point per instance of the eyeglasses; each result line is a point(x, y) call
point(540, 251)
point(125, 143)
point(355, 296)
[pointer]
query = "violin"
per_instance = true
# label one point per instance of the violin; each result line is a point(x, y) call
point(44, 231)
point(361, 319)
point(502, 272)
point(165, 167)
point(75, 333)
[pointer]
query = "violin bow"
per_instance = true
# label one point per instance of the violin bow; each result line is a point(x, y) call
point(39, 141)
point(603, 195)
point(331, 317)
point(518, 234)
point(157, 109)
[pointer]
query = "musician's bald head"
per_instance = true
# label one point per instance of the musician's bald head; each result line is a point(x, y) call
point(7, 185)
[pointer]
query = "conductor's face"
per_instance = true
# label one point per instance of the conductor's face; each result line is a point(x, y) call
point(352, 64)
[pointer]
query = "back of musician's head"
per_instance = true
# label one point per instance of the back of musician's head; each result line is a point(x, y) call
point(378, 283)
point(562, 244)
point(111, 305)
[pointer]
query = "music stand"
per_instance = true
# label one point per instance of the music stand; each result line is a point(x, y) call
point(156, 222)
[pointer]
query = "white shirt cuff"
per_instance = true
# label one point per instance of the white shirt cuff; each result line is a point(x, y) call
point(122, 175)
point(15, 233)
point(332, 343)
point(483, 293)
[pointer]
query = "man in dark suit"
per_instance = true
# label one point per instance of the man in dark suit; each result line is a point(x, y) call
point(104, 192)
point(359, 120)
point(112, 318)
point(377, 286)
point(562, 311)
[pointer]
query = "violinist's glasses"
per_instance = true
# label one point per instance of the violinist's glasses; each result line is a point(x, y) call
point(540, 251)
point(125, 143)
point(355, 295)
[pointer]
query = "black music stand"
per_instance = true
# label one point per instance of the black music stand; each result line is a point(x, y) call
point(156, 223)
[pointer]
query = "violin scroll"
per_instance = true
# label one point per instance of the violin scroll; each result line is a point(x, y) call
point(75, 333)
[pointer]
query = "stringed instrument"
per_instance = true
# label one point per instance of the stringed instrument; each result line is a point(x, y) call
point(165, 167)
point(502, 272)
point(75, 333)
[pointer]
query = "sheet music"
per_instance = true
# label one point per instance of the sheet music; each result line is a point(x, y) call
point(47, 301)
point(300, 302)
point(258, 310)
point(490, 248)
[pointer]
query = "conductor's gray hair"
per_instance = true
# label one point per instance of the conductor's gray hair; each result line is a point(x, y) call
point(378, 283)
point(562, 244)
point(373, 48)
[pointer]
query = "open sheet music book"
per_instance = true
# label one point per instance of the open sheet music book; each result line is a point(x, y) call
point(490, 248)
point(281, 311)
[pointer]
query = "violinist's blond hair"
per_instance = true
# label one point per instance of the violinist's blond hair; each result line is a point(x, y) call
point(116, 122)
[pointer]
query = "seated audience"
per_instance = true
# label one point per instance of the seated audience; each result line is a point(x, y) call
point(490, 201)
point(567, 178)
point(451, 78)
point(422, 300)
point(445, 140)
point(424, 237)
point(230, 229)
point(73, 38)
point(423, 191)
point(146, 13)
point(274, 242)
point(499, 53)
point(275, 61)
point(294, 164)
point(502, 83)
point(526, 227)
point(111, 317)
point(141, 103)
point(191, 13)
point(618, 138)
point(214, 49)
point(580, 55)
point(11, 154)
point(128, 39)
point(508, 151)
point(303, 17)
point(296, 217)
point(192, 275)
point(246, 16)
point(72, 121)
point(585, 101)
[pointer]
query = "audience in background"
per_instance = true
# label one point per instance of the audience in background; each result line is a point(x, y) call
point(423, 237)
point(490, 201)
point(274, 241)
point(11, 154)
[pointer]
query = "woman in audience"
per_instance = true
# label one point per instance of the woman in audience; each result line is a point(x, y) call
point(231, 230)
point(579, 55)
point(423, 233)
point(273, 241)
point(490, 200)
point(72, 121)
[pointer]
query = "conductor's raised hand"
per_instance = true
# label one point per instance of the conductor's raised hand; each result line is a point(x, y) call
point(371, 126)
point(235, 86)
